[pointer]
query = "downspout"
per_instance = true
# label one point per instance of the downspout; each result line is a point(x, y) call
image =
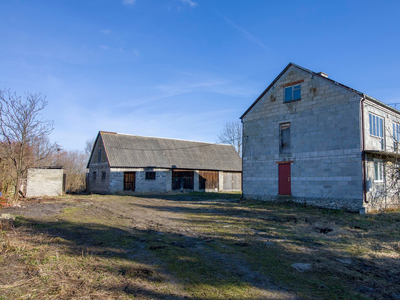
point(363, 151)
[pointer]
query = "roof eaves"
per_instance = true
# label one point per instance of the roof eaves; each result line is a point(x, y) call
point(91, 153)
point(267, 89)
point(381, 103)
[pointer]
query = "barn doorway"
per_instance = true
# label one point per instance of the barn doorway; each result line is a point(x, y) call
point(129, 181)
point(182, 179)
point(208, 181)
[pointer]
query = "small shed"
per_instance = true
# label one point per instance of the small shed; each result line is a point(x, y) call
point(48, 181)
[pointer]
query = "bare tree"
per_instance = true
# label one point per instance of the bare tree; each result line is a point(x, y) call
point(89, 146)
point(24, 133)
point(74, 165)
point(232, 134)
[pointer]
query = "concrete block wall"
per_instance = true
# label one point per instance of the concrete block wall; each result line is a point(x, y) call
point(389, 117)
point(99, 184)
point(162, 183)
point(44, 182)
point(325, 141)
point(380, 195)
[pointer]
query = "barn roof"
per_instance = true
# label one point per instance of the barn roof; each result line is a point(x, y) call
point(126, 151)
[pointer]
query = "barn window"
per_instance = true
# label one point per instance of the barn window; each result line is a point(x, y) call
point(103, 175)
point(94, 176)
point(99, 156)
point(150, 175)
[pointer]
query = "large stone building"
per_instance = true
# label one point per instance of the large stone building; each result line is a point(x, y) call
point(319, 142)
point(121, 162)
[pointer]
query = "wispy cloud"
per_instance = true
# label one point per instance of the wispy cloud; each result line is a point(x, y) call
point(106, 31)
point(187, 83)
point(104, 47)
point(128, 2)
point(247, 34)
point(190, 2)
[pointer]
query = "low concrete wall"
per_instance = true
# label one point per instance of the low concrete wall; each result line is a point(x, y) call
point(44, 182)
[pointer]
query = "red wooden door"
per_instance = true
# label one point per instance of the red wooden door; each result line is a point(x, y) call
point(284, 179)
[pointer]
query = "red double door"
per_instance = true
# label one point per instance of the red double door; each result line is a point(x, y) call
point(284, 179)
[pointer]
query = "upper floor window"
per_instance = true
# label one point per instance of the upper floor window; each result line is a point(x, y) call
point(375, 125)
point(99, 156)
point(396, 132)
point(292, 93)
point(285, 138)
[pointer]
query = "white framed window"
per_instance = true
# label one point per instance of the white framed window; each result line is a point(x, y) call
point(375, 125)
point(378, 171)
point(396, 132)
point(292, 93)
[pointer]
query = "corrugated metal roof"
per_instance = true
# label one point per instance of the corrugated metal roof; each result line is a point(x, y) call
point(125, 150)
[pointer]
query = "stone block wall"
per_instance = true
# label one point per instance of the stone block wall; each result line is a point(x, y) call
point(325, 143)
point(162, 183)
point(44, 182)
point(99, 178)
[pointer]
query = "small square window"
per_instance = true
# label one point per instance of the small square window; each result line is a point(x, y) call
point(292, 93)
point(150, 175)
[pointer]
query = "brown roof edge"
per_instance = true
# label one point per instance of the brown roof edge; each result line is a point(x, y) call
point(267, 89)
point(94, 144)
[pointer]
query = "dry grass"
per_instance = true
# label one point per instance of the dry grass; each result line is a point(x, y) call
point(196, 246)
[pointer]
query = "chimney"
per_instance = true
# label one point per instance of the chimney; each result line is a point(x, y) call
point(323, 74)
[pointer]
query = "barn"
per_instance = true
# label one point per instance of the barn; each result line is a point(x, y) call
point(131, 163)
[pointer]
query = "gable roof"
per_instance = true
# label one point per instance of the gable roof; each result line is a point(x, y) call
point(125, 151)
point(318, 75)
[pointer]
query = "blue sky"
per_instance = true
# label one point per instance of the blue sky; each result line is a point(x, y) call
point(183, 68)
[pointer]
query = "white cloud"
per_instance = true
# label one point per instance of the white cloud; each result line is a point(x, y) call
point(104, 47)
point(190, 2)
point(128, 2)
point(106, 31)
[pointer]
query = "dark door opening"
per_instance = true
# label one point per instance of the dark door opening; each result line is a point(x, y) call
point(129, 181)
point(182, 180)
point(284, 179)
